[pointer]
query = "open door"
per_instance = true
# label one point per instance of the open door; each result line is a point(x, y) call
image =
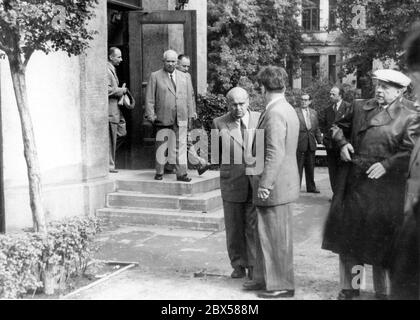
point(149, 35)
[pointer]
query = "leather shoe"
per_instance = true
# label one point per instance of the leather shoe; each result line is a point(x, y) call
point(184, 178)
point(113, 171)
point(159, 177)
point(238, 272)
point(203, 169)
point(314, 191)
point(276, 294)
point(253, 286)
point(348, 294)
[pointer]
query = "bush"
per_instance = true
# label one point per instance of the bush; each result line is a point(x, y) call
point(29, 261)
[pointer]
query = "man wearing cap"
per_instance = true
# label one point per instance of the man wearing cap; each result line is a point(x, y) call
point(382, 134)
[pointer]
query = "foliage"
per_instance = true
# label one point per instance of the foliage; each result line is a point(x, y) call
point(209, 107)
point(52, 25)
point(19, 258)
point(246, 34)
point(25, 258)
point(387, 24)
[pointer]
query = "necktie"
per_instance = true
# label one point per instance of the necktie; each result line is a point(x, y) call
point(308, 119)
point(173, 82)
point(243, 128)
point(336, 107)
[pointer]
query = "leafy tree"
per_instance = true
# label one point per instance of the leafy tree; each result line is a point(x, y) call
point(45, 25)
point(246, 34)
point(375, 30)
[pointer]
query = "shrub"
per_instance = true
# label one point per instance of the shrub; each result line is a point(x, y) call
point(30, 260)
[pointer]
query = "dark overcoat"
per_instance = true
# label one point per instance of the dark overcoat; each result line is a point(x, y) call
point(366, 213)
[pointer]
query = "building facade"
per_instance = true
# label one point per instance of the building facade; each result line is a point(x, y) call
point(322, 50)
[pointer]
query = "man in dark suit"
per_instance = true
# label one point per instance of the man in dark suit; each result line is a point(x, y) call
point(115, 92)
point(309, 135)
point(275, 188)
point(239, 212)
point(331, 114)
point(169, 106)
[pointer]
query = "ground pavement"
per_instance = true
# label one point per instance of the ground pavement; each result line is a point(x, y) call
point(177, 264)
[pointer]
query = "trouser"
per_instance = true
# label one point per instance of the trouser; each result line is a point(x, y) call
point(173, 140)
point(240, 225)
point(306, 160)
point(333, 161)
point(351, 273)
point(274, 248)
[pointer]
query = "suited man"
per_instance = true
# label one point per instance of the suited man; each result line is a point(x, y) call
point(183, 65)
point(275, 189)
point(331, 114)
point(169, 106)
point(115, 92)
point(309, 135)
point(405, 262)
point(239, 212)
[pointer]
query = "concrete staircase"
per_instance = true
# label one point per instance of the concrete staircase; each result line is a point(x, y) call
point(139, 199)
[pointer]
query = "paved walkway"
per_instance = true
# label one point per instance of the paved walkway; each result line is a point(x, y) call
point(181, 264)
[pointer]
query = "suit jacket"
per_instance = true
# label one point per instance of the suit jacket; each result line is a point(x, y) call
point(280, 174)
point(166, 106)
point(308, 138)
point(234, 183)
point(114, 94)
point(328, 117)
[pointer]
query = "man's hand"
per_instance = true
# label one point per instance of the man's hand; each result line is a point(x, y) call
point(124, 88)
point(263, 193)
point(376, 171)
point(346, 152)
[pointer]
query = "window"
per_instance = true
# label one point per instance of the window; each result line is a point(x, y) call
point(310, 15)
point(310, 70)
point(332, 71)
point(332, 21)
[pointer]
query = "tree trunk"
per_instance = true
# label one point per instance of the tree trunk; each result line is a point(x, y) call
point(31, 156)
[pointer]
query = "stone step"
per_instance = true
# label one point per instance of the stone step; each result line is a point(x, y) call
point(203, 202)
point(144, 182)
point(211, 221)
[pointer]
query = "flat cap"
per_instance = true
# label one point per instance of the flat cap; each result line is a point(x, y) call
point(392, 77)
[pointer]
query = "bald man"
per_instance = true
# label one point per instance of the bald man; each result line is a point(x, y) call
point(169, 106)
point(239, 212)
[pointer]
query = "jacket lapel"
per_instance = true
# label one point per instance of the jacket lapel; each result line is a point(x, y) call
point(112, 69)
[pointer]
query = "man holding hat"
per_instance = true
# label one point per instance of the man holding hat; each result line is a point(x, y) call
point(382, 134)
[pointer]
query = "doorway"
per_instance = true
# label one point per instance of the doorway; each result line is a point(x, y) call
point(149, 35)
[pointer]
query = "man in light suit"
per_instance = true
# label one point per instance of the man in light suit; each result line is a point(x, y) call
point(115, 92)
point(275, 189)
point(309, 135)
point(334, 112)
point(239, 212)
point(405, 262)
point(169, 106)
